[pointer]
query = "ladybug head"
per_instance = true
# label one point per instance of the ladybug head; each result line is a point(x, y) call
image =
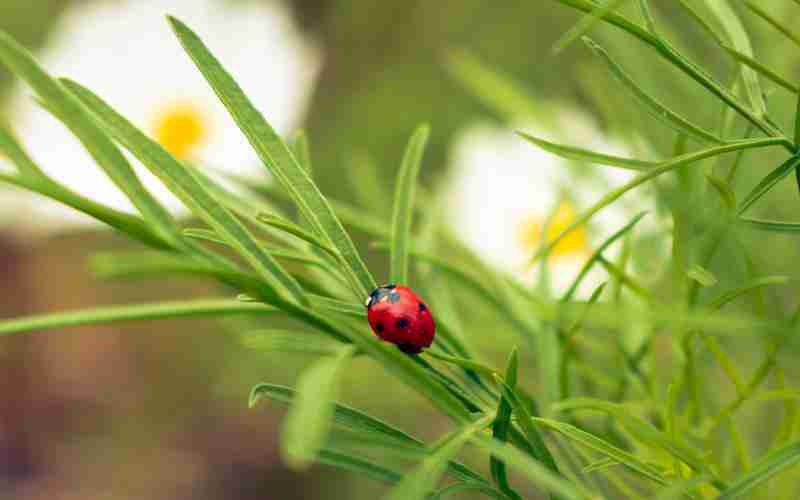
point(382, 292)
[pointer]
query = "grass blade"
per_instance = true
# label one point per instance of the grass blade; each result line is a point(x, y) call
point(308, 422)
point(276, 155)
point(774, 22)
point(358, 422)
point(138, 312)
point(191, 192)
point(771, 225)
point(651, 174)
point(357, 465)
point(532, 469)
point(737, 35)
point(289, 341)
point(580, 154)
point(766, 468)
point(404, 203)
point(651, 104)
point(585, 24)
point(605, 448)
point(768, 182)
point(500, 428)
point(69, 110)
point(422, 480)
point(761, 68)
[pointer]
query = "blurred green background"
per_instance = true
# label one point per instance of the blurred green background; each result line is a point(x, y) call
point(158, 410)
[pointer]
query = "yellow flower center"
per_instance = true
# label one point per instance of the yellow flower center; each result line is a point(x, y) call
point(576, 243)
point(180, 128)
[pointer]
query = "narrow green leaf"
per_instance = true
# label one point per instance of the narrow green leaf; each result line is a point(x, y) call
point(276, 155)
point(771, 225)
point(309, 419)
point(404, 203)
point(132, 225)
point(186, 187)
point(738, 37)
point(640, 429)
point(702, 275)
point(773, 21)
point(138, 312)
point(651, 174)
point(357, 465)
point(360, 423)
point(649, 20)
point(500, 428)
point(422, 480)
point(681, 489)
point(797, 123)
point(302, 152)
point(69, 110)
point(650, 103)
point(459, 487)
point(463, 363)
point(289, 341)
point(674, 57)
point(13, 150)
point(526, 422)
point(730, 295)
point(605, 448)
point(580, 154)
point(295, 230)
point(762, 69)
point(533, 469)
point(724, 191)
point(338, 306)
point(585, 24)
point(587, 266)
point(762, 471)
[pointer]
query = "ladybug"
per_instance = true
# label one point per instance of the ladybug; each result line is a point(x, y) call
point(397, 315)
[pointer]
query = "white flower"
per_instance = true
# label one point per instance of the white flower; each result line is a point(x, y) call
point(126, 53)
point(504, 191)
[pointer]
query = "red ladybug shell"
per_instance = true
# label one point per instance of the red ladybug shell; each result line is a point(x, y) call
point(397, 315)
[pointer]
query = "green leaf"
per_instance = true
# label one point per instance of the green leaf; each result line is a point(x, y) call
point(132, 225)
point(580, 154)
point(308, 422)
point(768, 182)
point(422, 480)
point(674, 57)
point(302, 152)
point(467, 364)
point(587, 266)
point(702, 275)
point(533, 469)
point(651, 174)
point(762, 69)
point(360, 423)
point(69, 110)
point(585, 24)
point(360, 466)
point(730, 295)
point(276, 156)
point(641, 430)
point(459, 487)
point(737, 35)
point(773, 21)
point(11, 148)
point(650, 103)
point(772, 464)
point(181, 182)
point(289, 341)
point(526, 418)
point(138, 312)
point(771, 225)
point(339, 306)
point(404, 203)
point(605, 448)
point(501, 426)
point(724, 191)
point(297, 231)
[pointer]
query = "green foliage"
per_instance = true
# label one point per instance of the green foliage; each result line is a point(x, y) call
point(664, 431)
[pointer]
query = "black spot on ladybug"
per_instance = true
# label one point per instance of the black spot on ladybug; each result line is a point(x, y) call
point(390, 286)
point(379, 327)
point(402, 323)
point(422, 307)
point(409, 348)
point(394, 297)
